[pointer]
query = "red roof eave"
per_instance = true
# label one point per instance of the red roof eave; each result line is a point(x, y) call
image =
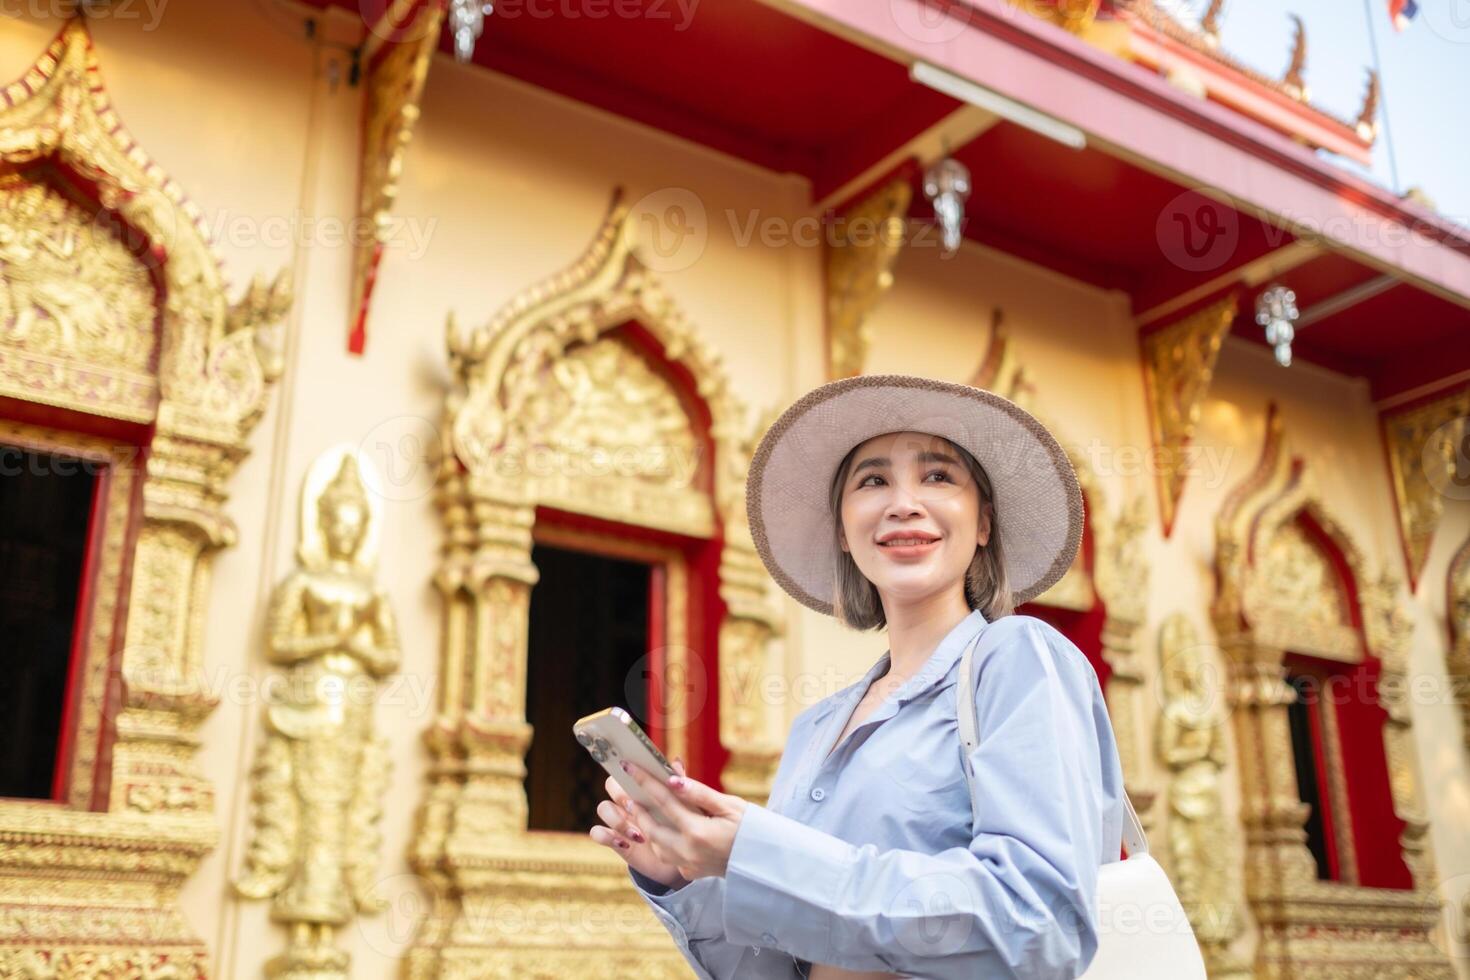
point(1137, 115)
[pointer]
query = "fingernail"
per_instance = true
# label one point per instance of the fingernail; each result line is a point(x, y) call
point(676, 782)
point(626, 769)
point(628, 805)
point(637, 837)
point(623, 844)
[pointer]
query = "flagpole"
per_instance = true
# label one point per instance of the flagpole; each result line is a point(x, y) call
point(1393, 163)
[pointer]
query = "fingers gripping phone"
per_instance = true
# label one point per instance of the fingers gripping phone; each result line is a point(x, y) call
point(613, 737)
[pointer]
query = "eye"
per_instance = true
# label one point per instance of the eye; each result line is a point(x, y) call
point(944, 474)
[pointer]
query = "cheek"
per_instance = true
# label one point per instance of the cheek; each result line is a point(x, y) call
point(856, 518)
point(959, 516)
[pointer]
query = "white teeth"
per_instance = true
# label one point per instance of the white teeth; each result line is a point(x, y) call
point(907, 541)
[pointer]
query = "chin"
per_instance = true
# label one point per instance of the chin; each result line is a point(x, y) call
point(909, 588)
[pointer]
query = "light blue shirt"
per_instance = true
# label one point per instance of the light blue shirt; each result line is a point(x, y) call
point(870, 858)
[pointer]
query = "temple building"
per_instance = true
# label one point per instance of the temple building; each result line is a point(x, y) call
point(379, 379)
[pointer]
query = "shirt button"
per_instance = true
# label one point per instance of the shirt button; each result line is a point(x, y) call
point(819, 794)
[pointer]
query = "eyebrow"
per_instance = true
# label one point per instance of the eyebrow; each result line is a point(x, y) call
point(878, 462)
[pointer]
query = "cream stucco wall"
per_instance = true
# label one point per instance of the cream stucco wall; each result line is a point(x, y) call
point(505, 184)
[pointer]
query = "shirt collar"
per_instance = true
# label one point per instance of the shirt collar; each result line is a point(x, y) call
point(945, 656)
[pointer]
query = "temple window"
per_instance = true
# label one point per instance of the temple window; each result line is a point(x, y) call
point(1336, 725)
point(588, 648)
point(48, 516)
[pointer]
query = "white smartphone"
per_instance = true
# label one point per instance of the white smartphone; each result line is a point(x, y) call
point(613, 737)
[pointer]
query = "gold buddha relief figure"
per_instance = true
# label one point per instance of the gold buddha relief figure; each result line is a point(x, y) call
point(322, 770)
point(1191, 742)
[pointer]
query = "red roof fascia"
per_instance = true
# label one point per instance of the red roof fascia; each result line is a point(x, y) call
point(1139, 116)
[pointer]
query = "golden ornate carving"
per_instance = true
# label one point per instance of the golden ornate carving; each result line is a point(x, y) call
point(1298, 597)
point(1458, 608)
point(526, 424)
point(1294, 81)
point(1164, 18)
point(1422, 443)
point(1074, 15)
point(1309, 927)
point(748, 628)
point(594, 404)
point(1337, 791)
point(1366, 124)
point(119, 468)
point(866, 243)
point(1388, 627)
point(93, 892)
point(1119, 577)
point(1001, 371)
point(1191, 742)
point(1209, 23)
point(322, 768)
point(397, 67)
point(70, 291)
point(1178, 365)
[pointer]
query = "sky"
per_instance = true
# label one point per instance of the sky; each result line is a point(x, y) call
point(1426, 79)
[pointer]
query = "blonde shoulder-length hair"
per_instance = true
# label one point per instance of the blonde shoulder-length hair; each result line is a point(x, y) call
point(856, 601)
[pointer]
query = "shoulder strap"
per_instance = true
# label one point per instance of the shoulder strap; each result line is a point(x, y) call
point(1133, 837)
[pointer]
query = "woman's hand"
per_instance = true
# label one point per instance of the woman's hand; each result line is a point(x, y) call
point(704, 823)
point(627, 840)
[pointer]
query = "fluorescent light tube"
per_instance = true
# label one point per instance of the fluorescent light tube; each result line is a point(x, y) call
point(977, 95)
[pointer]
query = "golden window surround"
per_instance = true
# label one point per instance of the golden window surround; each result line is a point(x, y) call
point(118, 470)
point(94, 893)
point(1307, 927)
point(554, 375)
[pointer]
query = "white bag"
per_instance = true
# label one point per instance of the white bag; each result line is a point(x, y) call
point(1143, 932)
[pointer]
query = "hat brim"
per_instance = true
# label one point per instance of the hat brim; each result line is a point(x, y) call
point(1038, 501)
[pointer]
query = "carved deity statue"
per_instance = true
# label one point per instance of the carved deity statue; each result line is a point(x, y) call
point(1458, 659)
point(321, 773)
point(1191, 742)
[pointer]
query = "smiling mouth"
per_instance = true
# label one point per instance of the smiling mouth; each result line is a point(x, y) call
point(907, 542)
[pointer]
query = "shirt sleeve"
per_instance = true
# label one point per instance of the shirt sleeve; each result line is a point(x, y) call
point(1020, 901)
point(694, 914)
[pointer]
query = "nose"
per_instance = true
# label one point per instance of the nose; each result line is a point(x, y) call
point(904, 501)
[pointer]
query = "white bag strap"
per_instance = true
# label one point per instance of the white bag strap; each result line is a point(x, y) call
point(1133, 836)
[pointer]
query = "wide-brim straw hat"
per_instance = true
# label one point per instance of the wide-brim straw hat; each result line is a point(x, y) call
point(1038, 502)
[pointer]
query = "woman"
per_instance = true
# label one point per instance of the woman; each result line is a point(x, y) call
point(931, 509)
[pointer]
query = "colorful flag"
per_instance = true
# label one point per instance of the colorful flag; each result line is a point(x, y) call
point(1401, 12)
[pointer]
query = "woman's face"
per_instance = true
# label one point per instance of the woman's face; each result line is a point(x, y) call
point(913, 486)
